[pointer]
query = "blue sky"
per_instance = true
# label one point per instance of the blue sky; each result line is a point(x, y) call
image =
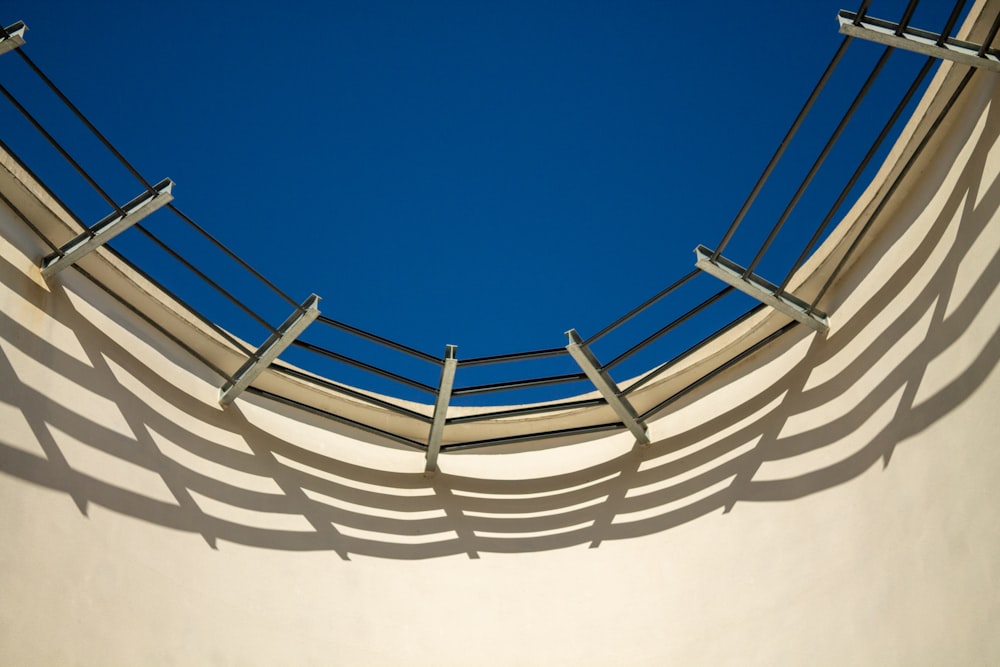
point(480, 173)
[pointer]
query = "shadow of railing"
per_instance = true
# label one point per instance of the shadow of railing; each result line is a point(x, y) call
point(98, 421)
point(336, 357)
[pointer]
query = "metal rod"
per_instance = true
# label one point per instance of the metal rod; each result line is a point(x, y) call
point(862, 11)
point(906, 168)
point(225, 335)
point(518, 384)
point(669, 327)
point(818, 162)
point(269, 351)
point(62, 151)
point(132, 308)
point(218, 244)
point(641, 307)
point(204, 276)
point(712, 373)
point(606, 386)
point(441, 408)
point(389, 375)
point(897, 112)
point(984, 47)
point(952, 20)
point(79, 114)
point(156, 325)
point(337, 418)
point(323, 319)
point(349, 391)
point(184, 346)
point(907, 15)
point(107, 228)
point(772, 163)
point(42, 186)
point(921, 41)
point(664, 367)
point(515, 356)
point(527, 410)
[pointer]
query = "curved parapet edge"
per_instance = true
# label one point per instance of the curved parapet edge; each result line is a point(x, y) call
point(826, 500)
point(54, 222)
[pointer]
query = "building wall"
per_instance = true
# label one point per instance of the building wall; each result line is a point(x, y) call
point(830, 500)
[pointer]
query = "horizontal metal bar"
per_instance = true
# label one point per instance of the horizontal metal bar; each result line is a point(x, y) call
point(35, 123)
point(350, 391)
point(513, 356)
point(441, 407)
point(526, 410)
point(204, 277)
point(609, 390)
point(760, 289)
point(229, 253)
point(389, 375)
point(107, 229)
point(519, 384)
point(375, 338)
point(641, 307)
point(527, 437)
point(705, 377)
point(667, 328)
point(664, 367)
point(337, 418)
point(13, 37)
point(918, 41)
point(269, 351)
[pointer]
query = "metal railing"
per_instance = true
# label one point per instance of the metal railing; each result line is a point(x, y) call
point(729, 309)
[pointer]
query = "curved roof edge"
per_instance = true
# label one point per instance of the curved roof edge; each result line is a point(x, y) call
point(52, 220)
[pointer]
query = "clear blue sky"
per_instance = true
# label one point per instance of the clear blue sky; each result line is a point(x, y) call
point(481, 173)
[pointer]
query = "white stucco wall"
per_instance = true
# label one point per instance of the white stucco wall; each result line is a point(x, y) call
point(831, 500)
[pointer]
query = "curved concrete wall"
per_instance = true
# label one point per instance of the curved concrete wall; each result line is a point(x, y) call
point(830, 500)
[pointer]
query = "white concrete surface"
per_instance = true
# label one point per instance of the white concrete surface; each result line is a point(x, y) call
point(831, 500)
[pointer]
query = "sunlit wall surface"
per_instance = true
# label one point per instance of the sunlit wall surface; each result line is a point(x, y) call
point(830, 499)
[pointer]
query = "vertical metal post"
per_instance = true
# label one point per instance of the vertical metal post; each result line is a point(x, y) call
point(441, 407)
point(609, 390)
point(269, 351)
